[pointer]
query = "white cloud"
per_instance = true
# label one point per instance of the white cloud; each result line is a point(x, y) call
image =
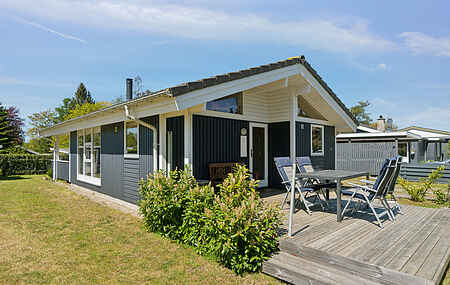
point(419, 43)
point(44, 28)
point(205, 24)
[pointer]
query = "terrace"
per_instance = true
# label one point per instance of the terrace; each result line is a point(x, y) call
point(415, 249)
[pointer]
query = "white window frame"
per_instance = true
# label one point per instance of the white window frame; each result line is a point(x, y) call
point(206, 110)
point(322, 153)
point(82, 177)
point(125, 154)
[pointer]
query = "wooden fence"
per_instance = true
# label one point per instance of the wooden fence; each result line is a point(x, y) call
point(364, 156)
point(415, 171)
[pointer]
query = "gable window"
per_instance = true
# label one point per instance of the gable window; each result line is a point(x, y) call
point(230, 104)
point(304, 109)
point(317, 142)
point(131, 140)
point(89, 150)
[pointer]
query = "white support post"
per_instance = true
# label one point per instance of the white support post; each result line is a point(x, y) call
point(70, 162)
point(188, 138)
point(162, 142)
point(293, 115)
point(55, 158)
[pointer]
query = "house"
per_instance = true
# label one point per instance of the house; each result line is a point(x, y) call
point(367, 147)
point(249, 116)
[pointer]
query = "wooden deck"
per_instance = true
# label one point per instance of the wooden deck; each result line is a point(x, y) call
point(415, 249)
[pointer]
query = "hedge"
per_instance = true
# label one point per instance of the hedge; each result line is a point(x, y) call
point(16, 164)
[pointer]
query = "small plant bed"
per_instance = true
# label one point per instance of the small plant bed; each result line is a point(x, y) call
point(50, 235)
point(230, 223)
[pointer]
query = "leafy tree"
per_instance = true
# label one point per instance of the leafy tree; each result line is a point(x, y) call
point(6, 129)
point(86, 108)
point(360, 112)
point(82, 96)
point(448, 149)
point(41, 120)
point(63, 110)
point(17, 123)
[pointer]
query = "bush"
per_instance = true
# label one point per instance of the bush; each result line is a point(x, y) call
point(16, 164)
point(418, 192)
point(442, 198)
point(232, 225)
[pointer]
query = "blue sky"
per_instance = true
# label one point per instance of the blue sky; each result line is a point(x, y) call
point(396, 54)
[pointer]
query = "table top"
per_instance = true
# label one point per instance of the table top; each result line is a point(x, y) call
point(332, 174)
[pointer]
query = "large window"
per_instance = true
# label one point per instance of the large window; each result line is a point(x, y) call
point(89, 149)
point(317, 147)
point(230, 104)
point(131, 140)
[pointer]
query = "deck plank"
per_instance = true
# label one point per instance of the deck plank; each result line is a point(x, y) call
point(435, 265)
point(417, 237)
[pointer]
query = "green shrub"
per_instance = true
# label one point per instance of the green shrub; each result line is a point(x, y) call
point(232, 225)
point(243, 230)
point(442, 198)
point(16, 164)
point(50, 172)
point(163, 199)
point(418, 191)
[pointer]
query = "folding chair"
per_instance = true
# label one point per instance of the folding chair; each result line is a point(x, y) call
point(391, 187)
point(366, 194)
point(285, 169)
point(304, 165)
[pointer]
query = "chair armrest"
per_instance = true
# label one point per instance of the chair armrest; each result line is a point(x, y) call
point(367, 181)
point(362, 187)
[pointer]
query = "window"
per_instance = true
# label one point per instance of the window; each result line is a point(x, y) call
point(89, 150)
point(304, 109)
point(230, 104)
point(131, 139)
point(317, 147)
point(403, 149)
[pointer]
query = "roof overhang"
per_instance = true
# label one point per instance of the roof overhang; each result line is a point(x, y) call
point(198, 92)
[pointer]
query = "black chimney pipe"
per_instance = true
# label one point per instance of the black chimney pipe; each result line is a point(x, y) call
point(129, 89)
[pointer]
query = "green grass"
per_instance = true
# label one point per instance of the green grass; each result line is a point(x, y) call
point(51, 235)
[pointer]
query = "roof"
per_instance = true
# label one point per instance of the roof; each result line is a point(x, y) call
point(372, 135)
point(219, 79)
point(367, 129)
point(416, 128)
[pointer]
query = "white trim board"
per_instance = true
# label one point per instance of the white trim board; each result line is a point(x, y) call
point(200, 96)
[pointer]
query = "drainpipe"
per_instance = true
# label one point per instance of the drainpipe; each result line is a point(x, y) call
point(133, 118)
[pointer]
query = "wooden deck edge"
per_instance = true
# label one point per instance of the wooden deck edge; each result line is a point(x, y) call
point(333, 268)
point(442, 268)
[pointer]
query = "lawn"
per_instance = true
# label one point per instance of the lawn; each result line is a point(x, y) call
point(51, 235)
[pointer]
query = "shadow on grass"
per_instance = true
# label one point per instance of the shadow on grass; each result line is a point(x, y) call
point(14, 177)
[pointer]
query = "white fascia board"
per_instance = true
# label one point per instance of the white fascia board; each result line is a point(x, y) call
point(200, 96)
point(111, 116)
point(369, 130)
point(327, 97)
point(372, 135)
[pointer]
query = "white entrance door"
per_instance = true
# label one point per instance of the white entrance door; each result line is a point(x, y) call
point(258, 163)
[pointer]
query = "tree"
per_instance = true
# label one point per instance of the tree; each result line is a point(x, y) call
point(82, 96)
point(16, 123)
point(86, 108)
point(6, 129)
point(448, 149)
point(41, 120)
point(63, 110)
point(360, 113)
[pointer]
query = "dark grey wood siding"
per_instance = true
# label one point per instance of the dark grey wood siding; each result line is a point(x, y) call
point(111, 161)
point(279, 140)
point(176, 126)
point(120, 176)
point(215, 140)
point(303, 145)
point(135, 169)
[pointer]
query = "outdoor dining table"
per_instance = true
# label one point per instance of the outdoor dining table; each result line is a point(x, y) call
point(336, 176)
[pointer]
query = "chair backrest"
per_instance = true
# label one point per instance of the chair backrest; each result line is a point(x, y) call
point(386, 177)
point(381, 173)
point(304, 164)
point(395, 175)
point(284, 167)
